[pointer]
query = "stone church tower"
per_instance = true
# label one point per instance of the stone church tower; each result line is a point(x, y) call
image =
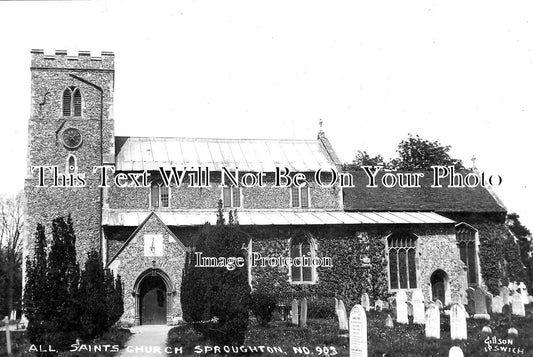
point(70, 132)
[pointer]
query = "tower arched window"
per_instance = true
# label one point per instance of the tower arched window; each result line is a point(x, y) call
point(71, 164)
point(466, 240)
point(302, 253)
point(402, 262)
point(72, 102)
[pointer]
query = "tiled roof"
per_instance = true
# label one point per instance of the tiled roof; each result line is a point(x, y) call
point(425, 198)
point(146, 153)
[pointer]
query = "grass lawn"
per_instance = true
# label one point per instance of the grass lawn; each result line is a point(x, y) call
point(21, 345)
point(322, 335)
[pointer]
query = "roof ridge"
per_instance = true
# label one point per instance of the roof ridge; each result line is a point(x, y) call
point(213, 139)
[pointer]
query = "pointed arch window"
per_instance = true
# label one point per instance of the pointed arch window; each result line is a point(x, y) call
point(159, 195)
point(302, 253)
point(71, 164)
point(466, 240)
point(72, 102)
point(402, 262)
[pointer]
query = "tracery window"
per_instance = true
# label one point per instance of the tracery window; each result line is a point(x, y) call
point(159, 195)
point(402, 262)
point(72, 102)
point(466, 240)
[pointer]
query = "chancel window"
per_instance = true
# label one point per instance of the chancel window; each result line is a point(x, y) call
point(301, 255)
point(72, 102)
point(402, 264)
point(300, 197)
point(159, 195)
point(466, 240)
point(231, 196)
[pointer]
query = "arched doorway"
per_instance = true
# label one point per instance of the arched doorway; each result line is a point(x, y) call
point(153, 300)
point(439, 285)
point(153, 297)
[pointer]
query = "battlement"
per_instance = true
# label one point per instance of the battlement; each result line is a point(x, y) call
point(84, 60)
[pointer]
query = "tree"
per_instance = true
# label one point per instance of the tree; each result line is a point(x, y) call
point(523, 236)
point(362, 158)
point(11, 223)
point(216, 300)
point(416, 153)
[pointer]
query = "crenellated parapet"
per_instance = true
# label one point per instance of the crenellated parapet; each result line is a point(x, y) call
point(84, 60)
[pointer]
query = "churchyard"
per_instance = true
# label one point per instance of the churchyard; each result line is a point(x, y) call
point(475, 324)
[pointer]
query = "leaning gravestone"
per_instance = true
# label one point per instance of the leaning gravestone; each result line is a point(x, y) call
point(303, 313)
point(388, 322)
point(365, 301)
point(294, 312)
point(358, 332)
point(343, 319)
point(418, 307)
point(401, 308)
point(504, 293)
point(378, 306)
point(456, 351)
point(517, 306)
point(523, 293)
point(497, 305)
point(433, 321)
point(458, 322)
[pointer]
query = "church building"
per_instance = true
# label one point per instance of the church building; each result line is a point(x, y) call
point(429, 237)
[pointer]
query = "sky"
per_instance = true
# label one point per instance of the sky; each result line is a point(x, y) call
point(456, 72)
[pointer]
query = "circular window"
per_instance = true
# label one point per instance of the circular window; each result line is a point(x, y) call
point(72, 138)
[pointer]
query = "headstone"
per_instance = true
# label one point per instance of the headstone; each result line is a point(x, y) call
point(336, 306)
point(358, 332)
point(488, 301)
point(480, 301)
point(388, 322)
point(504, 293)
point(294, 312)
point(517, 305)
point(487, 330)
point(365, 302)
point(418, 307)
point(343, 319)
point(506, 310)
point(401, 308)
point(439, 304)
point(523, 293)
point(303, 313)
point(13, 315)
point(456, 298)
point(456, 351)
point(432, 321)
point(497, 304)
point(378, 305)
point(409, 308)
point(470, 301)
point(458, 322)
point(8, 337)
point(512, 332)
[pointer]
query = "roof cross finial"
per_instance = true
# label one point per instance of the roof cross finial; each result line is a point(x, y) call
point(473, 161)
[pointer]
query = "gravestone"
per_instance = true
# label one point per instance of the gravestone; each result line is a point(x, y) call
point(8, 337)
point(365, 302)
point(504, 293)
point(336, 307)
point(388, 322)
point(13, 315)
point(456, 298)
point(523, 293)
point(358, 332)
point(470, 301)
point(497, 305)
point(517, 306)
point(294, 312)
point(303, 313)
point(343, 319)
point(432, 321)
point(480, 304)
point(506, 310)
point(439, 304)
point(458, 322)
point(378, 306)
point(418, 307)
point(409, 308)
point(456, 351)
point(401, 308)
point(488, 299)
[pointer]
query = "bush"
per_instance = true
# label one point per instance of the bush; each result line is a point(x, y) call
point(321, 309)
point(217, 294)
point(263, 305)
